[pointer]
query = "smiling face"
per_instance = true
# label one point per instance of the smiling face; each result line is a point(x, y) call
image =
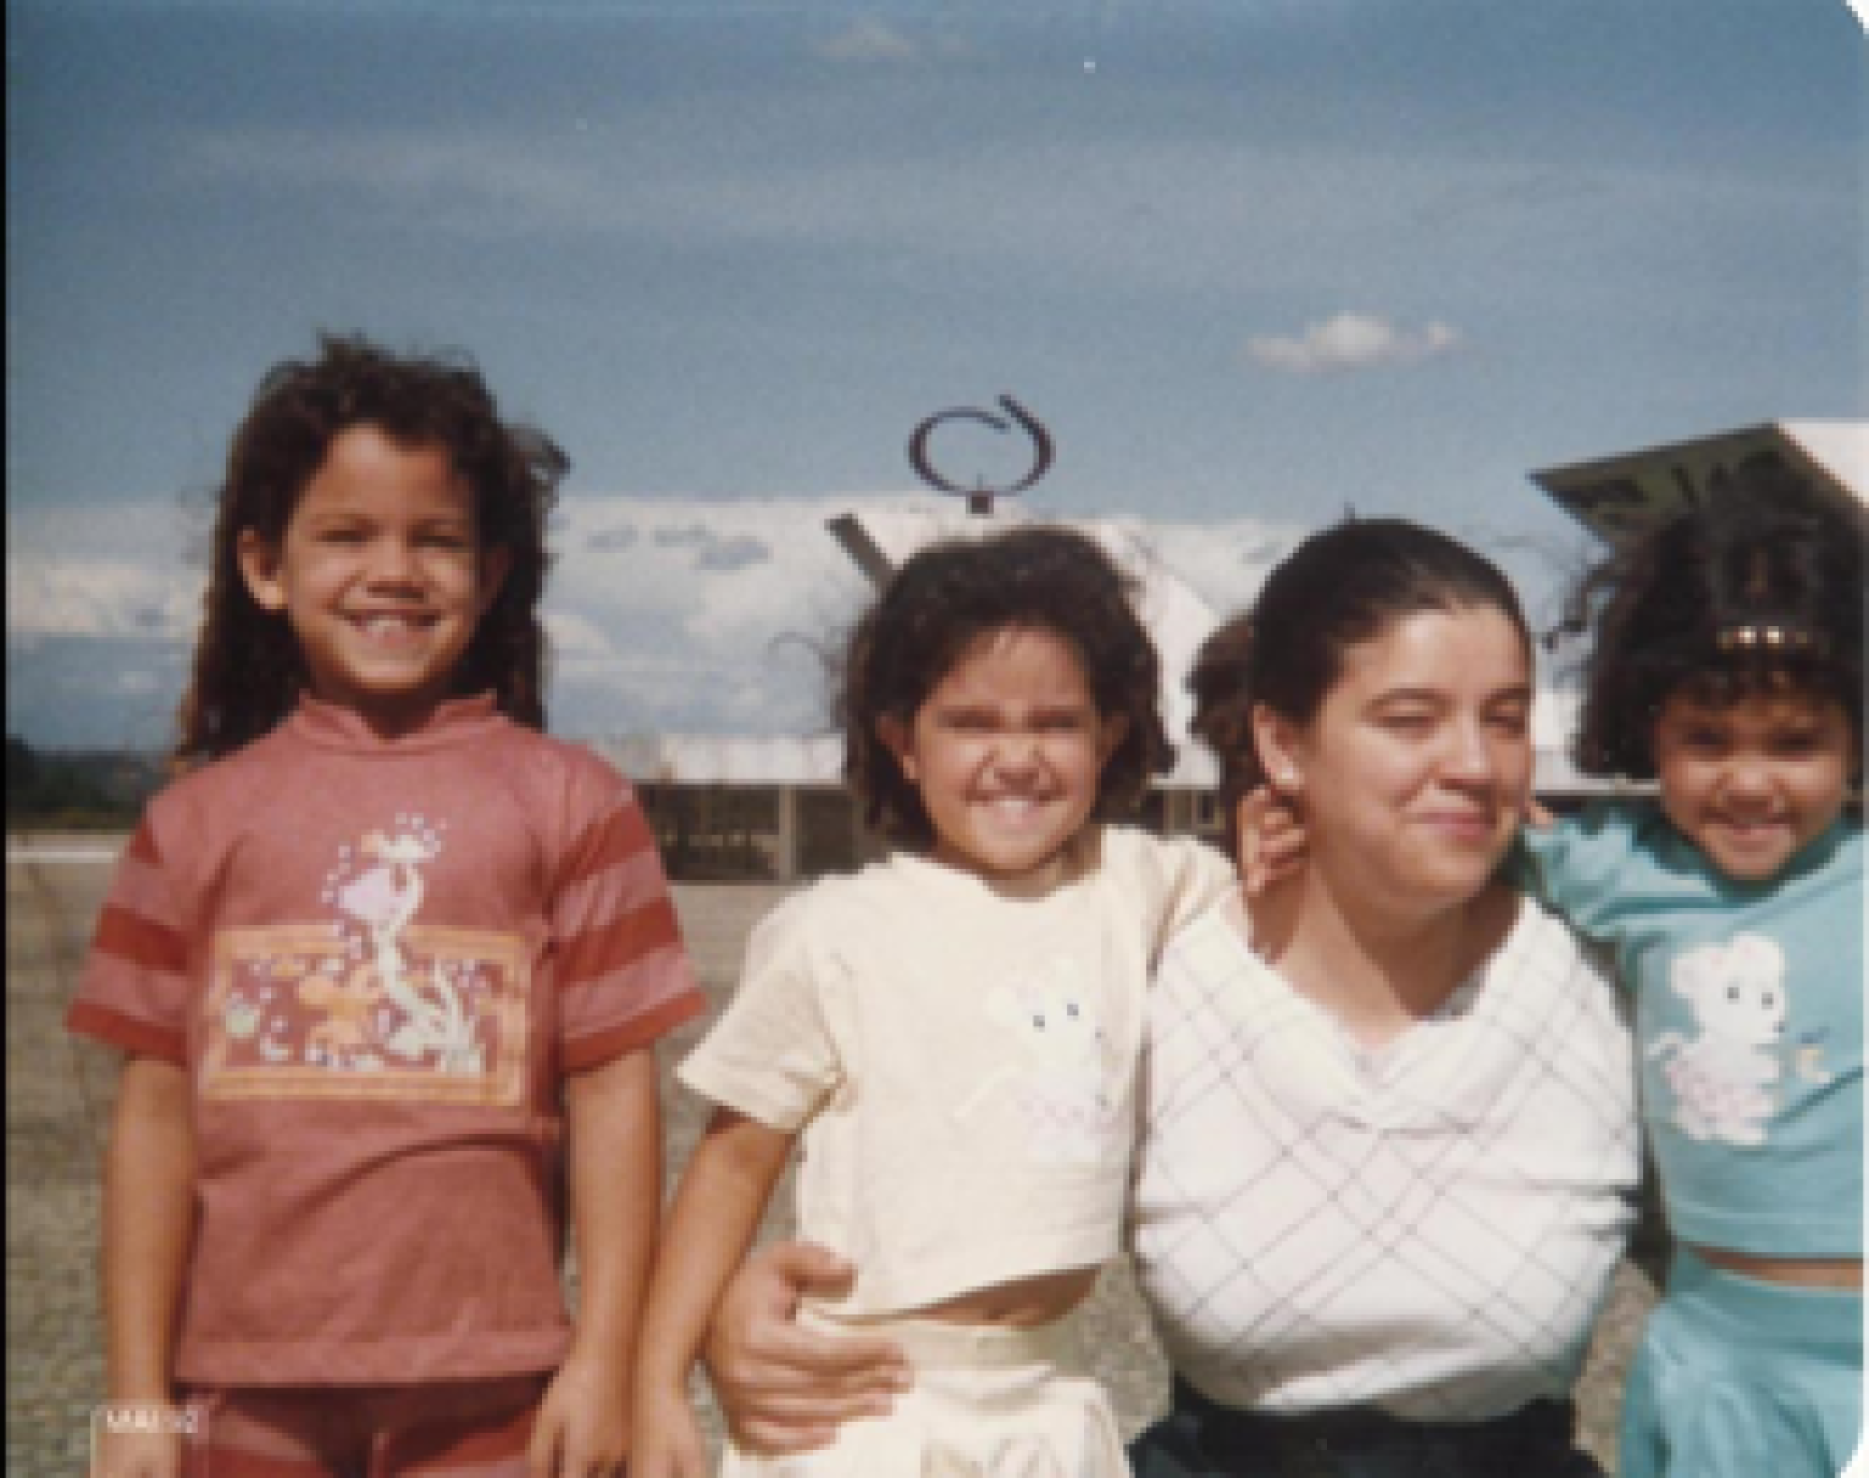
point(1412, 775)
point(381, 575)
point(1752, 783)
point(1006, 753)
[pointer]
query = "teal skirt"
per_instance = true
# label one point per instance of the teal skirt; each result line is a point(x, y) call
point(1736, 1377)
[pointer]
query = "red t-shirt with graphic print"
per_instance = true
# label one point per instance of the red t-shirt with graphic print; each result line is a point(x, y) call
point(378, 960)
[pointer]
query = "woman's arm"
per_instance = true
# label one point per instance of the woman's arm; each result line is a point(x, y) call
point(784, 1388)
point(717, 1209)
point(615, 1174)
point(149, 1226)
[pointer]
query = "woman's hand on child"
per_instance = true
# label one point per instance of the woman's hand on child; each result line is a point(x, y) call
point(1272, 840)
point(582, 1430)
point(784, 1388)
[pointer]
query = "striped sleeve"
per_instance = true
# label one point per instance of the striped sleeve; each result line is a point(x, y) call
point(134, 991)
point(623, 975)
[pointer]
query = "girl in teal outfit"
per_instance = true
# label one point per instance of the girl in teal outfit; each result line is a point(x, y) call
point(1726, 665)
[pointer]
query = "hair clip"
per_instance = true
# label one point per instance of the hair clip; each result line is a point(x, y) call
point(1771, 637)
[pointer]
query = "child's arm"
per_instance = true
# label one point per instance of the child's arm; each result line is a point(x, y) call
point(1188, 877)
point(149, 1224)
point(614, 1163)
point(1580, 867)
point(717, 1209)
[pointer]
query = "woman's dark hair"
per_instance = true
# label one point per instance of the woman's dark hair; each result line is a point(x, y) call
point(947, 600)
point(1758, 591)
point(1336, 590)
point(247, 667)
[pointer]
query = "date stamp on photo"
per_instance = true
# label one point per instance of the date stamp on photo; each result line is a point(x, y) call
point(126, 1419)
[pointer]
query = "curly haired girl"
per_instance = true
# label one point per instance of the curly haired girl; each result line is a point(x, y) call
point(1727, 667)
point(952, 1032)
point(387, 964)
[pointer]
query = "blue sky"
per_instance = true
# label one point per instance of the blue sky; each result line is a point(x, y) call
point(1252, 263)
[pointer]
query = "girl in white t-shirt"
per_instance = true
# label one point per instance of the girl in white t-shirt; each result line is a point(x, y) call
point(953, 1032)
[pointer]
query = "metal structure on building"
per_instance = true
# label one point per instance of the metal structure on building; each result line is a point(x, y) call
point(980, 498)
point(1615, 496)
point(745, 806)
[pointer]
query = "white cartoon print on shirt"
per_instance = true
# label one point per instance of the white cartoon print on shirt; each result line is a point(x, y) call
point(1059, 1079)
point(1722, 1078)
point(372, 1003)
point(384, 899)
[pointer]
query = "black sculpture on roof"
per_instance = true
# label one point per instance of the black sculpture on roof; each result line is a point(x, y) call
point(980, 497)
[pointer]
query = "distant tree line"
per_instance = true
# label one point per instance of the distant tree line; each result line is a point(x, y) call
point(76, 790)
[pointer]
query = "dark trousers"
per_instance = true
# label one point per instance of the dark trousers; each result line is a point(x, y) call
point(1200, 1439)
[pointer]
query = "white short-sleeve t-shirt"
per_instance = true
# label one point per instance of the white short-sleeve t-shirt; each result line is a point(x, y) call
point(961, 1064)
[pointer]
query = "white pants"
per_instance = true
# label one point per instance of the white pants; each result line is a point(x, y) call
point(987, 1403)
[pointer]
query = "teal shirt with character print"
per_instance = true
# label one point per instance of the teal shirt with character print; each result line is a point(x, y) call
point(1748, 1012)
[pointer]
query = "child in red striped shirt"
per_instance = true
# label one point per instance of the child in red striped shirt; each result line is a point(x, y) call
point(387, 964)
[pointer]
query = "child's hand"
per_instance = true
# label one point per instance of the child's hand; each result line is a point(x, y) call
point(667, 1442)
point(1272, 840)
point(137, 1455)
point(784, 1388)
point(1535, 812)
point(582, 1429)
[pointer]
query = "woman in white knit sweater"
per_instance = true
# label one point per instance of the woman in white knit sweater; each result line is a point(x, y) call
point(1390, 1149)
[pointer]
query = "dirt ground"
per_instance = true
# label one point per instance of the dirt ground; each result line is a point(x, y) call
point(58, 1102)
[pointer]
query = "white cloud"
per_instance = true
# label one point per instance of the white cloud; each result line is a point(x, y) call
point(665, 614)
point(870, 39)
point(470, 181)
point(1222, 563)
point(138, 683)
point(867, 40)
point(723, 582)
point(689, 646)
point(1351, 341)
point(576, 639)
point(97, 598)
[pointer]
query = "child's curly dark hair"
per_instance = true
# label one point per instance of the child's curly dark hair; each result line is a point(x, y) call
point(953, 595)
point(1758, 591)
point(247, 666)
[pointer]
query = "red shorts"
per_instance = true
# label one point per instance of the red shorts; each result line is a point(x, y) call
point(463, 1429)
